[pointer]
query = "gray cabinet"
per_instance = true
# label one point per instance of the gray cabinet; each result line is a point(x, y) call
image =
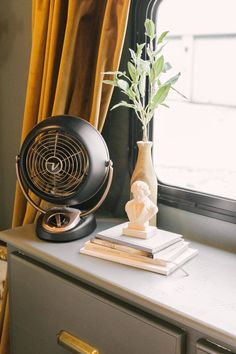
point(113, 308)
point(44, 302)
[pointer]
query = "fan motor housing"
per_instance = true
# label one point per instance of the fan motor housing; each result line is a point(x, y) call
point(64, 160)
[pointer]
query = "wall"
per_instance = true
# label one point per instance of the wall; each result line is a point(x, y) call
point(15, 42)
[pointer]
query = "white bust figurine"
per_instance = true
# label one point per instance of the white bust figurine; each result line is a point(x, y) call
point(140, 210)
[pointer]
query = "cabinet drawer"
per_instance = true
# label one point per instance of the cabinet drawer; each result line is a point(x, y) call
point(43, 302)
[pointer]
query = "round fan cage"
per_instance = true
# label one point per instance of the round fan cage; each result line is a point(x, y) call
point(64, 161)
point(56, 163)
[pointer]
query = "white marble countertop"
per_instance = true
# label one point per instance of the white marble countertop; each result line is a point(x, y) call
point(205, 300)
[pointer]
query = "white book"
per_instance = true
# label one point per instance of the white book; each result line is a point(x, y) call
point(158, 242)
point(116, 256)
point(170, 253)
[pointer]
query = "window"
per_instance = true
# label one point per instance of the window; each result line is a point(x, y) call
point(194, 140)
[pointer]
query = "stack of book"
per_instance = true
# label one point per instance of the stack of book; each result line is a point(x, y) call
point(162, 253)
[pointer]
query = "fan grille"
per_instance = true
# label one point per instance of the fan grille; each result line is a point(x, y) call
point(56, 163)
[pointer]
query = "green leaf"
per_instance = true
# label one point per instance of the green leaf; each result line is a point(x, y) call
point(160, 96)
point(130, 93)
point(158, 66)
point(150, 28)
point(132, 71)
point(149, 53)
point(123, 104)
point(135, 89)
point(172, 80)
point(152, 75)
point(144, 66)
point(122, 84)
point(140, 49)
point(133, 55)
point(109, 82)
point(156, 69)
point(167, 66)
point(162, 36)
point(142, 84)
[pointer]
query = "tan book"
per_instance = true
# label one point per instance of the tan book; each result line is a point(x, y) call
point(118, 252)
point(119, 247)
point(166, 255)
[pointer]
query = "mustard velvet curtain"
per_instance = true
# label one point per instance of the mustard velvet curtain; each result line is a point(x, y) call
point(73, 42)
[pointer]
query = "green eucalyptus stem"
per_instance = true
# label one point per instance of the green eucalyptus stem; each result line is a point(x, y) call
point(145, 133)
point(133, 82)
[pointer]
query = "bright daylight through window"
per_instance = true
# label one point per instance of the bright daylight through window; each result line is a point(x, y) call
point(195, 139)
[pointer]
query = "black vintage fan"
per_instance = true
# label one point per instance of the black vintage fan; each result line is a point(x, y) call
point(64, 161)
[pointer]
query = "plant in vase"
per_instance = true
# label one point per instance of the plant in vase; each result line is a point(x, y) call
point(145, 89)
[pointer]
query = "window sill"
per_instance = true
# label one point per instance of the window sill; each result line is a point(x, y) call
point(199, 228)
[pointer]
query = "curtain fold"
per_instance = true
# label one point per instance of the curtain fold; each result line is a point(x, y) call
point(73, 43)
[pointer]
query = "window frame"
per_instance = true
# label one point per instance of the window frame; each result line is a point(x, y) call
point(177, 197)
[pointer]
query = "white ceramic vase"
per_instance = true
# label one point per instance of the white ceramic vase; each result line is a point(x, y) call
point(144, 171)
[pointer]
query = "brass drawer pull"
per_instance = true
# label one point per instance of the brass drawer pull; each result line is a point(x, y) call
point(75, 345)
point(3, 253)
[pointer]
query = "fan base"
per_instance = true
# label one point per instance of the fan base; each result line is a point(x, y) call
point(85, 226)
